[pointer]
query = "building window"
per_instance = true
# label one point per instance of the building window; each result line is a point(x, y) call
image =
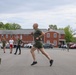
point(2, 35)
point(55, 35)
point(16, 36)
point(48, 35)
point(55, 42)
point(20, 36)
point(48, 41)
point(6, 35)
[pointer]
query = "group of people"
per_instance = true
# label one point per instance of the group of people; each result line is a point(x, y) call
point(37, 34)
point(11, 43)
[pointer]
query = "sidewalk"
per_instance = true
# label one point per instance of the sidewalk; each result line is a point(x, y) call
point(64, 63)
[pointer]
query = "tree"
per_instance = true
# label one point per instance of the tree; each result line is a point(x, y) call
point(68, 34)
point(9, 26)
point(54, 27)
point(1, 25)
point(16, 26)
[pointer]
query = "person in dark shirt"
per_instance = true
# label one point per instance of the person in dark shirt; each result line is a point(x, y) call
point(38, 34)
point(19, 41)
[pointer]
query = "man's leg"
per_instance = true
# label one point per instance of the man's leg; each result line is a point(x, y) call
point(4, 49)
point(47, 55)
point(10, 49)
point(33, 55)
point(16, 50)
point(44, 53)
point(19, 49)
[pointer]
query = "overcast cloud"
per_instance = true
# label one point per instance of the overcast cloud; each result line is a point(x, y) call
point(44, 12)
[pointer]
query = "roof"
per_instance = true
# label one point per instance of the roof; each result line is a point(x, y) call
point(27, 31)
point(58, 31)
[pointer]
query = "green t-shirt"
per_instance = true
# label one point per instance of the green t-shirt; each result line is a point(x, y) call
point(19, 41)
point(3, 43)
point(37, 33)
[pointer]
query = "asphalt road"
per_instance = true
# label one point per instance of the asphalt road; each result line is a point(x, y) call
point(64, 63)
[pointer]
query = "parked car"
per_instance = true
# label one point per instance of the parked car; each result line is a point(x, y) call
point(25, 45)
point(29, 45)
point(64, 46)
point(47, 45)
point(73, 46)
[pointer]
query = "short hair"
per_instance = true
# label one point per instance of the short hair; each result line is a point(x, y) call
point(35, 24)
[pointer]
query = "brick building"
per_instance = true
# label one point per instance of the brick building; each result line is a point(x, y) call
point(51, 36)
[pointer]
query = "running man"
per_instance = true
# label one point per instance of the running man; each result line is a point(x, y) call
point(38, 34)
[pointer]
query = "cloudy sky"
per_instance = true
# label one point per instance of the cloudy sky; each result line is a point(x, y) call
point(43, 12)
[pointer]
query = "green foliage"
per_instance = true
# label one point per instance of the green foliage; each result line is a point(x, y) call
point(74, 40)
point(16, 26)
point(9, 26)
point(68, 34)
point(1, 25)
point(54, 27)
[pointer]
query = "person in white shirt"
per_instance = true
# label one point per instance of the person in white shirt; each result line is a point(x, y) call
point(11, 42)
